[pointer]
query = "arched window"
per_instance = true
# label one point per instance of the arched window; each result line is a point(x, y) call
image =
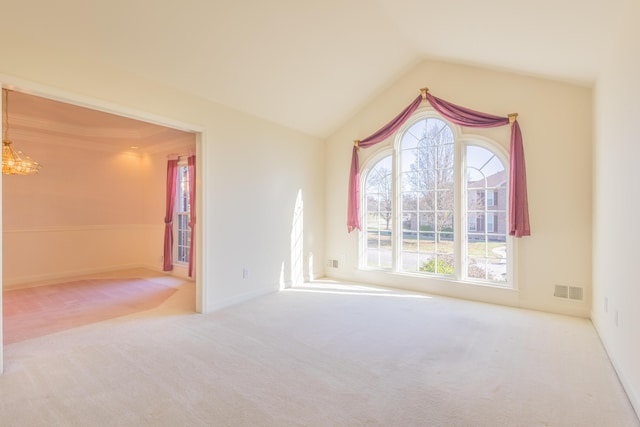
point(427, 190)
point(436, 205)
point(486, 209)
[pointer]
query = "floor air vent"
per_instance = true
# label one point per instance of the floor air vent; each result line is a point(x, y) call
point(568, 292)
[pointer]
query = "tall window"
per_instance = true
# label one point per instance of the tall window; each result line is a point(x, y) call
point(379, 202)
point(427, 191)
point(486, 245)
point(182, 215)
point(436, 206)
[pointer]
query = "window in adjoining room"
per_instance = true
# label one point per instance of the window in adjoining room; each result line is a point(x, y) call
point(182, 215)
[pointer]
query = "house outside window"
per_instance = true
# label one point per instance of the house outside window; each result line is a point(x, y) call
point(435, 205)
point(491, 198)
point(490, 223)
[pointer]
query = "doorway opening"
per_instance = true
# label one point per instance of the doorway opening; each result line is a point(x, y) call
point(91, 214)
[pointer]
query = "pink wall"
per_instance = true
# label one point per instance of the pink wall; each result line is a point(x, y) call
point(87, 210)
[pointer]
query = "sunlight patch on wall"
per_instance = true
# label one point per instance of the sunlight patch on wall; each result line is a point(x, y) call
point(297, 242)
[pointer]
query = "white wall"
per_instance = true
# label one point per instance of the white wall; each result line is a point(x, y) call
point(616, 206)
point(250, 172)
point(556, 125)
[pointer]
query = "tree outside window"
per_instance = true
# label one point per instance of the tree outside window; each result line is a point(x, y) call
point(446, 226)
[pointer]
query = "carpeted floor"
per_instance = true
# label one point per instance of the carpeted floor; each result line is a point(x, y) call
point(324, 354)
point(31, 312)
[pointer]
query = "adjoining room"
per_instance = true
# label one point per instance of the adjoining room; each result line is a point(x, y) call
point(83, 240)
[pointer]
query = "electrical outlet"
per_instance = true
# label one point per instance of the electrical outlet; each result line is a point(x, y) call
point(245, 273)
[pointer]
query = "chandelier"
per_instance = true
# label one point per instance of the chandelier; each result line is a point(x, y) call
point(14, 162)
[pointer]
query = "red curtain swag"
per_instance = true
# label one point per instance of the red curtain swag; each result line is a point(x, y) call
point(518, 202)
point(172, 170)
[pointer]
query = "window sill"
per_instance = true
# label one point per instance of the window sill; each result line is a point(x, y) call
point(434, 279)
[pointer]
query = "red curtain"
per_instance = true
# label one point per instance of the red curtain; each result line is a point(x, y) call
point(191, 169)
point(353, 210)
point(172, 170)
point(518, 200)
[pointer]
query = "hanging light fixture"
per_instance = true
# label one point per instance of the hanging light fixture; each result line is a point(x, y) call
point(14, 162)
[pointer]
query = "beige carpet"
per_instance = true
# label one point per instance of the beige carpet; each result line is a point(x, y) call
point(321, 355)
point(30, 312)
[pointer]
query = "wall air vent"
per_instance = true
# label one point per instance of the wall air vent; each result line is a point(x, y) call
point(333, 263)
point(561, 291)
point(575, 293)
point(568, 292)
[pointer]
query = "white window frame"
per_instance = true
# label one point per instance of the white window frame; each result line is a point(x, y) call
point(461, 224)
point(177, 231)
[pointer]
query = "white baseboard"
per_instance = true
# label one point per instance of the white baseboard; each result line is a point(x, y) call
point(228, 302)
point(631, 393)
point(64, 275)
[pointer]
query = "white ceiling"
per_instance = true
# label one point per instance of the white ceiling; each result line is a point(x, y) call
point(36, 119)
point(311, 64)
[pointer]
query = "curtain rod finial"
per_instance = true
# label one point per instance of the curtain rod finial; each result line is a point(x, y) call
point(512, 117)
point(423, 92)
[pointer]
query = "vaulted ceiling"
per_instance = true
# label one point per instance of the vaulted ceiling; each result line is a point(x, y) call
point(311, 64)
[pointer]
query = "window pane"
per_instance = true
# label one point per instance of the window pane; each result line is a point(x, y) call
point(427, 200)
point(427, 221)
point(426, 159)
point(409, 182)
point(407, 159)
point(410, 201)
point(445, 156)
point(445, 221)
point(445, 179)
point(445, 200)
point(477, 156)
point(373, 203)
point(413, 135)
point(475, 199)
